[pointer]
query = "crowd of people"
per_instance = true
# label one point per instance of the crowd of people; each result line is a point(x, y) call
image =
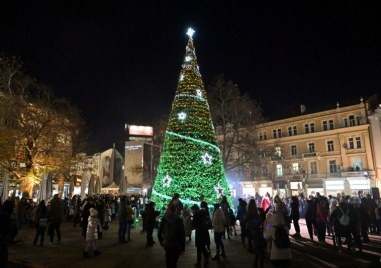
point(265, 223)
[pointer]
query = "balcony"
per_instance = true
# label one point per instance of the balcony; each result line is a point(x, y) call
point(310, 155)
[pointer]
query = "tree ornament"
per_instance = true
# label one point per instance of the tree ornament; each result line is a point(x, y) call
point(190, 32)
point(167, 181)
point(182, 116)
point(207, 159)
point(220, 190)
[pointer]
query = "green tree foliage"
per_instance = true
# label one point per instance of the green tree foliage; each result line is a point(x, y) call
point(190, 163)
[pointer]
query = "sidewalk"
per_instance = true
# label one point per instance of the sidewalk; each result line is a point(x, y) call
point(135, 254)
point(132, 254)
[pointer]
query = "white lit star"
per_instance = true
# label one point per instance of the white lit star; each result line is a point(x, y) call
point(199, 92)
point(181, 77)
point(182, 116)
point(190, 32)
point(167, 181)
point(219, 190)
point(188, 58)
point(207, 159)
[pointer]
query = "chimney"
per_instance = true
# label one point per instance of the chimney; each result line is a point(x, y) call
point(302, 108)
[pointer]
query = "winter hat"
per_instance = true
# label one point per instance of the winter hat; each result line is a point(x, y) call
point(93, 212)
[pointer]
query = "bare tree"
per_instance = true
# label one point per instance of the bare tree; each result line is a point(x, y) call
point(235, 116)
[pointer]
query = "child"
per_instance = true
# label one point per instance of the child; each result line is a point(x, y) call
point(92, 234)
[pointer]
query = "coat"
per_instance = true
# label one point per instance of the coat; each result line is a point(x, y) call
point(187, 222)
point(92, 233)
point(150, 217)
point(276, 253)
point(219, 221)
point(202, 234)
point(56, 210)
point(171, 233)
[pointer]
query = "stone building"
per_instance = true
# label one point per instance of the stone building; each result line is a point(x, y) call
point(330, 152)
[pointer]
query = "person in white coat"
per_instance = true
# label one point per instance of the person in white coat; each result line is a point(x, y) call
point(92, 234)
point(279, 257)
point(219, 222)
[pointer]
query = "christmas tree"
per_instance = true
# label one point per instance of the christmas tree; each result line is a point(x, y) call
point(190, 163)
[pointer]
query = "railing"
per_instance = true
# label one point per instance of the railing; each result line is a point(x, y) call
point(313, 154)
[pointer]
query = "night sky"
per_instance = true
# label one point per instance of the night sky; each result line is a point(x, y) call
point(119, 61)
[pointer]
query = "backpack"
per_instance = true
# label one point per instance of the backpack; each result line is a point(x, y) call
point(282, 239)
point(344, 219)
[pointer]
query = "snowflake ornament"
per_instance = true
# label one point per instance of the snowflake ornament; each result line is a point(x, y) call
point(182, 116)
point(167, 181)
point(219, 190)
point(207, 159)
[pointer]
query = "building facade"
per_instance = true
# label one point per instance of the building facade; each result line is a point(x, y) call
point(328, 152)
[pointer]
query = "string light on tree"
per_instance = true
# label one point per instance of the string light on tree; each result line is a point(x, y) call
point(181, 77)
point(199, 93)
point(188, 58)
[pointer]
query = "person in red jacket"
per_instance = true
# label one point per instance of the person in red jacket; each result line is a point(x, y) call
point(266, 203)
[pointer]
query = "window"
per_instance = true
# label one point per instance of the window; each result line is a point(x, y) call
point(295, 130)
point(279, 170)
point(357, 164)
point(351, 144)
point(295, 167)
point(358, 120)
point(313, 167)
point(277, 133)
point(325, 125)
point(292, 131)
point(352, 120)
point(311, 147)
point(294, 151)
point(332, 166)
point(262, 136)
point(358, 142)
point(309, 128)
point(330, 146)
point(345, 122)
point(331, 124)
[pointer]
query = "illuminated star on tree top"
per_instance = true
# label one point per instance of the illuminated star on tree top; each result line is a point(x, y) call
point(190, 32)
